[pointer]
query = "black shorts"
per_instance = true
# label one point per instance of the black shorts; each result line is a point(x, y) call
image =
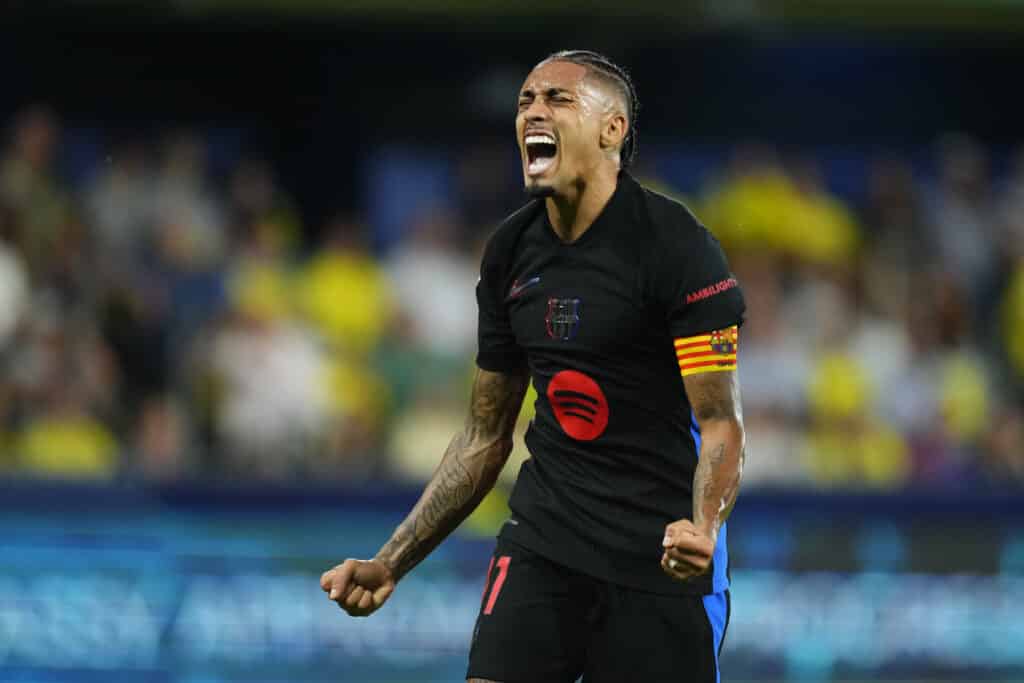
point(541, 622)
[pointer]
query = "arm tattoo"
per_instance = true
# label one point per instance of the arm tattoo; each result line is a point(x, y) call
point(467, 472)
point(716, 481)
point(713, 395)
point(718, 455)
point(495, 403)
point(454, 486)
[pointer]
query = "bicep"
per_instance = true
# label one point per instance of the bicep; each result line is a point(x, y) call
point(495, 403)
point(714, 395)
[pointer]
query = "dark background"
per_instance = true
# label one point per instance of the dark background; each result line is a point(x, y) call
point(314, 92)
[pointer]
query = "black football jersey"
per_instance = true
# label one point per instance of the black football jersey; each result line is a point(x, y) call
point(614, 444)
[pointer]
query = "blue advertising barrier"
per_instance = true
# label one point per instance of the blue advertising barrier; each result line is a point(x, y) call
point(206, 585)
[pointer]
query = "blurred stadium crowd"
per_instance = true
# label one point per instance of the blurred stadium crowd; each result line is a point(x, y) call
point(160, 324)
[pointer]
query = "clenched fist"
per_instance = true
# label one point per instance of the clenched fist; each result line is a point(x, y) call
point(688, 550)
point(359, 587)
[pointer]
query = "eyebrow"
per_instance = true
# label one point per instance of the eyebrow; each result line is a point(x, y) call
point(529, 92)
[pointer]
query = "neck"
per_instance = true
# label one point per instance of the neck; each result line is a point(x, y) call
point(572, 213)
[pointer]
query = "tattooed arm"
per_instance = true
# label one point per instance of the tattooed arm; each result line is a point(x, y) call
point(467, 472)
point(715, 397)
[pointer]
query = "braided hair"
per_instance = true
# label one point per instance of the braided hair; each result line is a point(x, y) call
point(613, 74)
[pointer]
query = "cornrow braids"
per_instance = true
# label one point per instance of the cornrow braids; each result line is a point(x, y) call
point(620, 78)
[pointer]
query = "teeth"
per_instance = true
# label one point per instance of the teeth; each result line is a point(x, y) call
point(539, 140)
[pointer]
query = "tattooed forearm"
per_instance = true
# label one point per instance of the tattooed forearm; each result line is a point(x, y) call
point(392, 553)
point(716, 482)
point(455, 486)
point(467, 472)
point(442, 507)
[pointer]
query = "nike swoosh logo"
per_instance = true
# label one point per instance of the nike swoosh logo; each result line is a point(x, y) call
point(518, 288)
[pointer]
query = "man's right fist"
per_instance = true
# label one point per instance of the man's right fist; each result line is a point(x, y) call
point(359, 587)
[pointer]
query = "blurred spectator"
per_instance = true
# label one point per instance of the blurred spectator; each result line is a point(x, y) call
point(1013, 322)
point(273, 380)
point(135, 328)
point(14, 284)
point(847, 445)
point(53, 352)
point(434, 282)
point(359, 401)
point(183, 203)
point(65, 383)
point(749, 209)
point(421, 436)
point(158, 324)
point(1004, 463)
point(894, 216)
point(69, 272)
point(343, 292)
point(258, 204)
point(188, 288)
point(821, 228)
point(65, 441)
point(29, 185)
point(962, 213)
point(120, 203)
point(1011, 212)
point(774, 365)
point(760, 206)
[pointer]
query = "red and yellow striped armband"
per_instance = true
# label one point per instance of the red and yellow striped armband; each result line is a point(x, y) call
point(712, 352)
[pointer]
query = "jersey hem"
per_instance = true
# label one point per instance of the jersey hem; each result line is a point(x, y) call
point(701, 586)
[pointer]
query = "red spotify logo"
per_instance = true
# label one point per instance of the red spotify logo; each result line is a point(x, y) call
point(579, 405)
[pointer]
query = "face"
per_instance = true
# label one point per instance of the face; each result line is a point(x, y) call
point(566, 126)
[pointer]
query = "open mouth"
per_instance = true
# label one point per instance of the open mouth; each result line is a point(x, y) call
point(541, 150)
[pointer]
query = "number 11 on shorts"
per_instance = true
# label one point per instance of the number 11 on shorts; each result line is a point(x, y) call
point(499, 581)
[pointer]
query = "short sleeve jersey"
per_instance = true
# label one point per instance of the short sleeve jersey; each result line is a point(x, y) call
point(614, 444)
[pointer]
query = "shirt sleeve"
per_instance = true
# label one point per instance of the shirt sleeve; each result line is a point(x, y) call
point(702, 294)
point(497, 350)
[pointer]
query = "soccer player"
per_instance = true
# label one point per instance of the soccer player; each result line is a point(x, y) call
point(620, 307)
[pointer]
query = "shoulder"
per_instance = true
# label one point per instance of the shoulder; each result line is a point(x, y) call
point(502, 242)
point(675, 232)
point(670, 217)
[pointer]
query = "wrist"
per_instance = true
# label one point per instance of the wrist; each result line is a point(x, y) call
point(390, 568)
point(709, 529)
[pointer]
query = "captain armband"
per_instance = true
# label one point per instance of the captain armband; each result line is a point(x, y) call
point(711, 352)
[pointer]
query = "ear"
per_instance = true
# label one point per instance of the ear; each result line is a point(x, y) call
point(614, 131)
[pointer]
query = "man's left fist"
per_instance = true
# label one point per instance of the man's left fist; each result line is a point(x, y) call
point(688, 550)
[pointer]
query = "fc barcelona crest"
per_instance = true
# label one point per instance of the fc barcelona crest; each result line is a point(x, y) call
point(563, 318)
point(724, 341)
